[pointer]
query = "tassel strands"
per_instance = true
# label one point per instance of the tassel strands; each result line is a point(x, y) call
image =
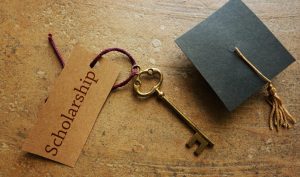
point(279, 116)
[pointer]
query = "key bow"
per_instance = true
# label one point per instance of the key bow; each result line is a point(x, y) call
point(138, 83)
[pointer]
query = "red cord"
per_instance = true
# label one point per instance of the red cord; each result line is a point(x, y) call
point(134, 67)
point(59, 57)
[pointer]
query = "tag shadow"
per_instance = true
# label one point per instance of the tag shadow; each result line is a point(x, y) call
point(31, 156)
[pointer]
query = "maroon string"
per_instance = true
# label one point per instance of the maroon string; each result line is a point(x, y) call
point(134, 67)
point(58, 55)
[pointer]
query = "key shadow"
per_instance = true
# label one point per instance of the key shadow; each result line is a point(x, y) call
point(199, 88)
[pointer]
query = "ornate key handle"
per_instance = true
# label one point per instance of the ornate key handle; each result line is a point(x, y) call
point(138, 83)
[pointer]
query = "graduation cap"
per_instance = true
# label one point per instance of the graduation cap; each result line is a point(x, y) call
point(237, 55)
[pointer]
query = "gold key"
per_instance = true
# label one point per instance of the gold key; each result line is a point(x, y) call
point(199, 137)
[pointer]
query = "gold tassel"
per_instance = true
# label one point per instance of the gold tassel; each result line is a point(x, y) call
point(279, 116)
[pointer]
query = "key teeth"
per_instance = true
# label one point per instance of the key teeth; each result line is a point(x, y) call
point(201, 147)
point(197, 153)
point(192, 141)
point(202, 143)
point(188, 145)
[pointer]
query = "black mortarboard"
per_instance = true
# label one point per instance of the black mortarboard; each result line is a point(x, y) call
point(211, 44)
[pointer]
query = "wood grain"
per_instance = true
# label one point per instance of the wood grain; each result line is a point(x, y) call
point(135, 137)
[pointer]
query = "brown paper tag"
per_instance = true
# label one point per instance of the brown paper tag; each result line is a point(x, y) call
point(66, 119)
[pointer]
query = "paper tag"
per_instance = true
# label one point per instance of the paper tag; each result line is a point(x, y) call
point(66, 119)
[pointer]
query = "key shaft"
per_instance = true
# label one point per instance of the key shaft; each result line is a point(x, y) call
point(182, 117)
point(198, 138)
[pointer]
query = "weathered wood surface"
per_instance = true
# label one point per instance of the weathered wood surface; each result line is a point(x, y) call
point(133, 137)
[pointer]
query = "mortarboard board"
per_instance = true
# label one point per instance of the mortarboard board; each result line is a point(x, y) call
point(211, 44)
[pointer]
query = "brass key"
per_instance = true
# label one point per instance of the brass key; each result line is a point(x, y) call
point(198, 137)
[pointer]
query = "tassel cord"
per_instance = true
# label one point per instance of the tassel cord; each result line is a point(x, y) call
point(279, 115)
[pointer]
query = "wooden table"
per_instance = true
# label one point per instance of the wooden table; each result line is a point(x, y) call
point(133, 137)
